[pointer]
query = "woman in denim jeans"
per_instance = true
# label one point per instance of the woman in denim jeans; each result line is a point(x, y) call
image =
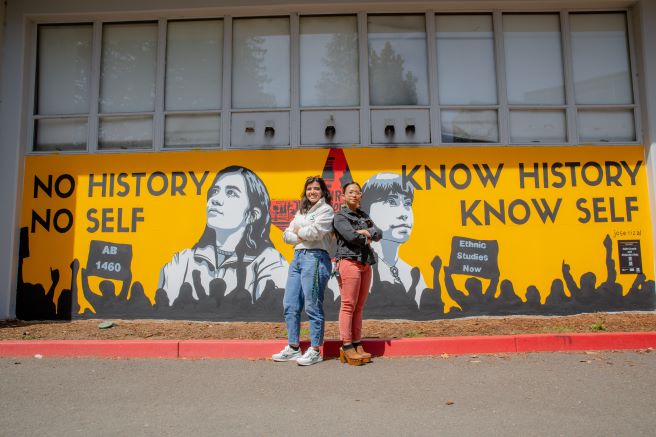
point(311, 234)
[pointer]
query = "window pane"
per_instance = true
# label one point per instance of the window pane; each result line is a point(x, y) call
point(600, 59)
point(534, 65)
point(126, 133)
point(260, 63)
point(129, 59)
point(606, 126)
point(465, 60)
point(329, 61)
point(194, 50)
point(60, 134)
point(538, 127)
point(64, 69)
point(397, 60)
point(202, 130)
point(469, 126)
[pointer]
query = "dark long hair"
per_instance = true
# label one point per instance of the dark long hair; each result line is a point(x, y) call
point(256, 236)
point(325, 193)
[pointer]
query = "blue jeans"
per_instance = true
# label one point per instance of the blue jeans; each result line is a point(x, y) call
point(306, 281)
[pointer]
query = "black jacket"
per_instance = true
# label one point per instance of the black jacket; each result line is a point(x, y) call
point(350, 244)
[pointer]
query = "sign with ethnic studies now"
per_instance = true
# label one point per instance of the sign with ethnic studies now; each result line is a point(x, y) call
point(475, 257)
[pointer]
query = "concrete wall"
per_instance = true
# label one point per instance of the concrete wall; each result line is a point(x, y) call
point(5, 231)
point(10, 157)
point(645, 51)
point(2, 30)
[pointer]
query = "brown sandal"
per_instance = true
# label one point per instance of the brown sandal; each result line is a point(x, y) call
point(366, 356)
point(350, 356)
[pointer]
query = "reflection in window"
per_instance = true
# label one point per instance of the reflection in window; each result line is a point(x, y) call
point(534, 66)
point(60, 134)
point(329, 61)
point(328, 67)
point(129, 61)
point(469, 126)
point(465, 60)
point(193, 65)
point(64, 69)
point(606, 126)
point(198, 130)
point(600, 59)
point(125, 133)
point(397, 60)
point(260, 63)
point(537, 127)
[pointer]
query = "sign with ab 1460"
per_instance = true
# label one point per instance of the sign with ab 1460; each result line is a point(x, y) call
point(109, 260)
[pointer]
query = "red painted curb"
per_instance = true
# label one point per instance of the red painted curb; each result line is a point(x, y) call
point(230, 348)
point(580, 342)
point(262, 349)
point(92, 348)
point(390, 348)
point(446, 345)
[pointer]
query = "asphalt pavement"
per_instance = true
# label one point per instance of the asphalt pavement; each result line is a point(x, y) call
point(540, 394)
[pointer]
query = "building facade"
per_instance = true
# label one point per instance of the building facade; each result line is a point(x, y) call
point(153, 154)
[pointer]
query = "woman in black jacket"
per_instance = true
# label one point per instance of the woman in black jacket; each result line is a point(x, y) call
point(354, 231)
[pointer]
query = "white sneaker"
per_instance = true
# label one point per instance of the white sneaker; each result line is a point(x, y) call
point(287, 354)
point(311, 356)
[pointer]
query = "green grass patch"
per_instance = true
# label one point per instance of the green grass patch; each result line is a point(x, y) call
point(598, 326)
point(413, 334)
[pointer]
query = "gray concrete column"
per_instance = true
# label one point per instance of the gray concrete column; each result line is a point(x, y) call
point(644, 24)
point(11, 156)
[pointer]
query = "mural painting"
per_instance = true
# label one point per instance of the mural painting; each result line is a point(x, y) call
point(198, 235)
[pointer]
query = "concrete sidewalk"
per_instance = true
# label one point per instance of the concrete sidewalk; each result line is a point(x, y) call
point(262, 349)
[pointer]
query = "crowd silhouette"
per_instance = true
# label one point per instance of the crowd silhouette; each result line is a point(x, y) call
point(33, 302)
point(386, 300)
point(212, 303)
point(584, 296)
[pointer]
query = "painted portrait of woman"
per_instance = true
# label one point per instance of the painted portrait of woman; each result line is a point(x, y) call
point(234, 246)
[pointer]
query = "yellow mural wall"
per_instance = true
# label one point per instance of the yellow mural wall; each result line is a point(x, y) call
point(544, 206)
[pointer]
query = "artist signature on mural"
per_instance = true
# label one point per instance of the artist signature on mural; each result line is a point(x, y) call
point(627, 233)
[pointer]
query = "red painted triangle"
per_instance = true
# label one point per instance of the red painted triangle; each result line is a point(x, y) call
point(335, 172)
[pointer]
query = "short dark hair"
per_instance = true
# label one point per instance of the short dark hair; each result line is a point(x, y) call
point(325, 193)
point(345, 186)
point(381, 185)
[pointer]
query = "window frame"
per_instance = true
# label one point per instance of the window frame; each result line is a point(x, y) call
point(225, 112)
point(161, 93)
point(499, 81)
point(576, 108)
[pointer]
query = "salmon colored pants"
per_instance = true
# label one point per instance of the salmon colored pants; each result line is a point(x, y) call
point(354, 280)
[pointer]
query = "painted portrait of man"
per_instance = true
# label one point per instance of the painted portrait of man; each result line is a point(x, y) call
point(389, 204)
